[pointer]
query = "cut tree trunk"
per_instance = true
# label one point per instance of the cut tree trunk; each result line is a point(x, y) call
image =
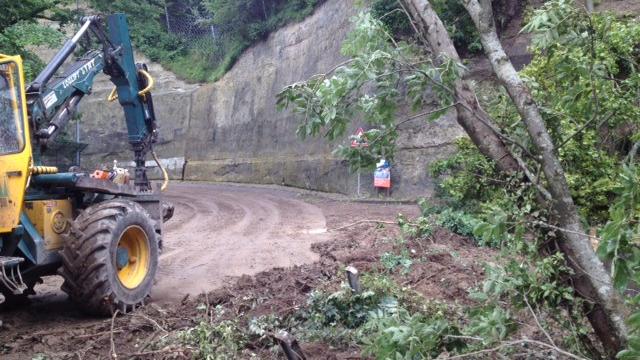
point(591, 280)
point(470, 115)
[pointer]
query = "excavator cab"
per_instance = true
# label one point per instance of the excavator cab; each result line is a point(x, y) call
point(15, 147)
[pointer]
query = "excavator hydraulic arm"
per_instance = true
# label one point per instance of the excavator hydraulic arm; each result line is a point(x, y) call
point(52, 99)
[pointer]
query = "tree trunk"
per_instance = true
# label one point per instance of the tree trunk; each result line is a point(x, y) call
point(480, 131)
point(591, 280)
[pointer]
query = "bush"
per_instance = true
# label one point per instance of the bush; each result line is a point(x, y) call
point(458, 222)
point(190, 50)
point(20, 30)
point(394, 333)
point(452, 14)
point(214, 340)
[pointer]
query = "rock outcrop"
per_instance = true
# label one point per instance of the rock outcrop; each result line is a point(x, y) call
point(230, 130)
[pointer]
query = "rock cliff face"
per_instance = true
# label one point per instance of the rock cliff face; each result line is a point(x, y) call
point(231, 131)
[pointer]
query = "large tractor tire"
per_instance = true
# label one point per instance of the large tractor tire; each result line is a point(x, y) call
point(110, 257)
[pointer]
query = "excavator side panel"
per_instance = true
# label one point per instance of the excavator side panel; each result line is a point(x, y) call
point(15, 144)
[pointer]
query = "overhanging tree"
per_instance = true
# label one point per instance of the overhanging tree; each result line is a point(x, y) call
point(19, 28)
point(591, 279)
point(329, 101)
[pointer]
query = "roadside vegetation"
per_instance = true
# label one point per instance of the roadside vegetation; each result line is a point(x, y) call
point(200, 40)
point(547, 174)
point(20, 29)
point(425, 292)
point(452, 13)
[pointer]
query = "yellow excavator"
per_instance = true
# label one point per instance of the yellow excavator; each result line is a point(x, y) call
point(102, 234)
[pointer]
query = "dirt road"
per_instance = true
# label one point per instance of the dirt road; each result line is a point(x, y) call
point(221, 231)
point(218, 233)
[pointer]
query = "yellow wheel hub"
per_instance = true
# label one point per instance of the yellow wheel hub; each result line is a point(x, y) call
point(133, 257)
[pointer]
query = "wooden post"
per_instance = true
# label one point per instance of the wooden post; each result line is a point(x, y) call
point(354, 280)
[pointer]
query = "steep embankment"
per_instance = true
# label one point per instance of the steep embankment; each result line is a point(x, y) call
point(231, 131)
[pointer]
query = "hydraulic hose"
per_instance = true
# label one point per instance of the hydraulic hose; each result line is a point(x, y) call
point(113, 95)
point(165, 175)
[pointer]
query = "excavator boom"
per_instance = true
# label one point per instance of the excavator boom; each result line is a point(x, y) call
point(52, 99)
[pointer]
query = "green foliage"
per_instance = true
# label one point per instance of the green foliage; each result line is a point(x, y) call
point(457, 221)
point(217, 340)
point(394, 333)
point(452, 13)
point(537, 288)
point(192, 51)
point(492, 325)
point(384, 319)
point(391, 261)
point(537, 284)
point(344, 307)
point(336, 317)
point(633, 350)
point(370, 87)
point(621, 234)
point(16, 11)
point(418, 229)
point(584, 77)
point(585, 72)
point(265, 324)
point(393, 17)
point(474, 175)
point(19, 29)
point(620, 245)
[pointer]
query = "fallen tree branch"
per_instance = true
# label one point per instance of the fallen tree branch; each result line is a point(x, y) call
point(425, 114)
point(363, 222)
point(155, 323)
point(88, 336)
point(429, 25)
point(168, 349)
point(518, 342)
point(535, 317)
point(544, 224)
point(113, 343)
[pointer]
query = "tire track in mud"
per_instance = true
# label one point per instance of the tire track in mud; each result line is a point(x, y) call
point(221, 231)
